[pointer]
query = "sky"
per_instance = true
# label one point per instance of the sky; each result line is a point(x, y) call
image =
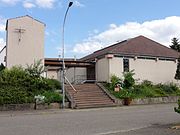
point(95, 24)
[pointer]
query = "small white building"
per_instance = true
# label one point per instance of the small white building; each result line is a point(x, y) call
point(149, 60)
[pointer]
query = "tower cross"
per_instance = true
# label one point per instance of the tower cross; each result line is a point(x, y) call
point(20, 31)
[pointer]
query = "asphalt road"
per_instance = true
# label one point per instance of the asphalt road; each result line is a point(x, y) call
point(132, 120)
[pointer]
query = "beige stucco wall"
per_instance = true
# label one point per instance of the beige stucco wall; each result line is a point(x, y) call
point(159, 71)
point(115, 67)
point(52, 74)
point(30, 48)
point(77, 74)
point(102, 70)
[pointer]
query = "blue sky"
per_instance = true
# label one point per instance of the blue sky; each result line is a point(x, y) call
point(94, 24)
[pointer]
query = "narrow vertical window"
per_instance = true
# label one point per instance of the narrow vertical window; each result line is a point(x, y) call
point(126, 65)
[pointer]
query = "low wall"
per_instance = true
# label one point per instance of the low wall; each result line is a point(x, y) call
point(30, 106)
point(158, 100)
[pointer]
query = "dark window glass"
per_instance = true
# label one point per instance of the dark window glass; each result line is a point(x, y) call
point(126, 65)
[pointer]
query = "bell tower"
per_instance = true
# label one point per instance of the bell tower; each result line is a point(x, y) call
point(25, 41)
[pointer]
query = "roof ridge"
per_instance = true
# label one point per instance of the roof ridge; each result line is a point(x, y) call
point(160, 44)
point(127, 41)
point(110, 46)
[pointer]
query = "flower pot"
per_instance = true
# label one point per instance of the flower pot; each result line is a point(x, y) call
point(127, 101)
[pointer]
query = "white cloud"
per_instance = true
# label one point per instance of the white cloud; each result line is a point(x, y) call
point(161, 31)
point(2, 27)
point(10, 2)
point(45, 3)
point(31, 3)
point(2, 24)
point(28, 4)
point(78, 4)
point(87, 47)
point(2, 43)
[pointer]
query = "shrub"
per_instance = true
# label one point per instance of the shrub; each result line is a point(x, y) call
point(18, 86)
point(147, 83)
point(51, 97)
point(178, 108)
point(53, 84)
point(36, 69)
point(129, 81)
point(2, 67)
point(14, 95)
point(16, 76)
point(114, 81)
point(168, 88)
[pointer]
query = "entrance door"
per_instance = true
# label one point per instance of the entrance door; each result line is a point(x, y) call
point(91, 73)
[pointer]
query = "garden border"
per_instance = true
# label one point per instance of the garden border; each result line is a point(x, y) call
point(31, 106)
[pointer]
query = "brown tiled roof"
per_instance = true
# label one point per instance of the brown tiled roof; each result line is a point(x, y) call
point(138, 46)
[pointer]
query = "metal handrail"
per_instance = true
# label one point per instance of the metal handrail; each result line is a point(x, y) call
point(70, 84)
point(88, 81)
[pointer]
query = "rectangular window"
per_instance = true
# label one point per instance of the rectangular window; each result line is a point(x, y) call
point(126, 65)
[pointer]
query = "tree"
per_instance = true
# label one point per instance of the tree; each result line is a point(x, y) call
point(2, 67)
point(177, 75)
point(175, 44)
point(177, 109)
point(129, 81)
point(36, 69)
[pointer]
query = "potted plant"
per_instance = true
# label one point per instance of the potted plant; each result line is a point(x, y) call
point(127, 98)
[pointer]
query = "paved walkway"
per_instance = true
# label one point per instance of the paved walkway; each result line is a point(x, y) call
point(132, 120)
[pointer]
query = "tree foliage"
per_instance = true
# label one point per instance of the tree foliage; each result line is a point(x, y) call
point(18, 85)
point(36, 69)
point(177, 75)
point(177, 109)
point(175, 44)
point(129, 81)
point(2, 67)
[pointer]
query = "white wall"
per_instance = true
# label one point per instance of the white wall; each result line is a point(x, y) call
point(77, 74)
point(31, 44)
point(52, 74)
point(102, 70)
point(156, 71)
point(116, 67)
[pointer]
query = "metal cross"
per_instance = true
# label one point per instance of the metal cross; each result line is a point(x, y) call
point(19, 31)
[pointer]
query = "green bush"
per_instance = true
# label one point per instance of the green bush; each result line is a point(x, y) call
point(13, 95)
point(168, 88)
point(129, 81)
point(53, 84)
point(2, 67)
point(147, 89)
point(178, 108)
point(51, 97)
point(114, 81)
point(18, 86)
point(147, 83)
point(36, 69)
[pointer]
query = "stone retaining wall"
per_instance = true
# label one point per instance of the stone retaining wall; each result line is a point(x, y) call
point(31, 106)
point(159, 100)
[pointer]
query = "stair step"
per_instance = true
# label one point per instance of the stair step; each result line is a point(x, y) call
point(94, 106)
point(94, 100)
point(89, 96)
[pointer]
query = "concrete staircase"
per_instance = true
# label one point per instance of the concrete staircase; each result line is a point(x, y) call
point(88, 96)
